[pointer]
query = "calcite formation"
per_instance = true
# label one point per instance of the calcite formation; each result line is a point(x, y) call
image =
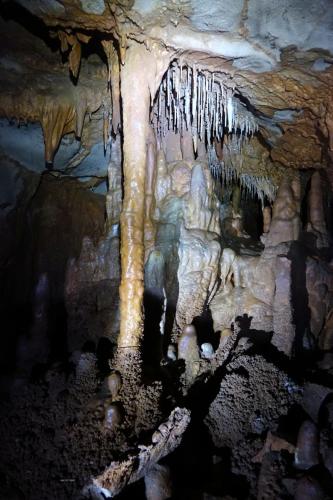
point(166, 178)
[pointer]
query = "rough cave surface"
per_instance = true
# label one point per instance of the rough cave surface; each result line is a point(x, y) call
point(166, 267)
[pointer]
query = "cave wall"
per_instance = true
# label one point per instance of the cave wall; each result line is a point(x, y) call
point(43, 232)
point(166, 257)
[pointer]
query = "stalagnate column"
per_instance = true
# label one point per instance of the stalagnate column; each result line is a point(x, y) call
point(136, 99)
point(140, 77)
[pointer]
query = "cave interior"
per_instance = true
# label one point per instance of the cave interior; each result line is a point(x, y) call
point(166, 214)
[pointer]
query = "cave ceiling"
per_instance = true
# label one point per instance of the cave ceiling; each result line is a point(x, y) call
point(277, 56)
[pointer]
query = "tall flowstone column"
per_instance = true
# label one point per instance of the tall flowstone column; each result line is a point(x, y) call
point(141, 75)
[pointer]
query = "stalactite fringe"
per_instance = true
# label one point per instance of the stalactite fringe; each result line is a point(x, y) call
point(198, 100)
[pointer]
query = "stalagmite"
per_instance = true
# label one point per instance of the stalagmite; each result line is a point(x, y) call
point(284, 329)
point(114, 384)
point(163, 180)
point(186, 145)
point(188, 350)
point(207, 350)
point(285, 222)
point(306, 454)
point(267, 217)
point(317, 224)
point(201, 150)
point(172, 146)
point(34, 346)
point(171, 352)
point(113, 417)
point(224, 337)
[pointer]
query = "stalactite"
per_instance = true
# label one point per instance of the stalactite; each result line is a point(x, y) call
point(190, 98)
point(106, 126)
point(73, 42)
point(81, 111)
point(56, 121)
point(74, 59)
point(201, 102)
point(251, 185)
point(113, 83)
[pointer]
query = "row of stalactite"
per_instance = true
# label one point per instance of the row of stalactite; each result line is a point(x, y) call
point(199, 101)
point(191, 99)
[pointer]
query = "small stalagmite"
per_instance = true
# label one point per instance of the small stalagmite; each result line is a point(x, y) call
point(225, 336)
point(114, 384)
point(172, 352)
point(189, 351)
point(113, 417)
point(306, 454)
point(267, 218)
point(207, 350)
point(186, 144)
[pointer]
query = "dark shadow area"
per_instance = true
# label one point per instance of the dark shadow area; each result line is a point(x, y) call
point(305, 203)
point(194, 471)
point(153, 302)
point(252, 214)
point(205, 328)
point(11, 11)
point(303, 345)
point(260, 344)
point(40, 238)
point(136, 490)
point(290, 424)
point(104, 353)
